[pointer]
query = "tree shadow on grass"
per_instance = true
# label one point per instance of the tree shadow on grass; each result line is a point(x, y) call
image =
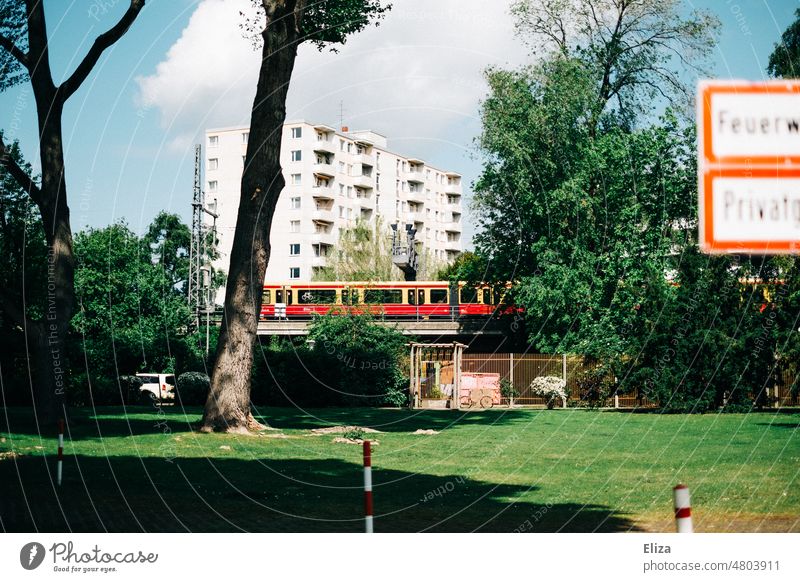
point(789, 425)
point(392, 419)
point(104, 422)
point(130, 494)
point(113, 421)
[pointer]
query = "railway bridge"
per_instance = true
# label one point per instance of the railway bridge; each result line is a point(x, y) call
point(467, 327)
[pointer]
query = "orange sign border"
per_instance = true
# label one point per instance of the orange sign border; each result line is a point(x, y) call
point(707, 242)
point(707, 89)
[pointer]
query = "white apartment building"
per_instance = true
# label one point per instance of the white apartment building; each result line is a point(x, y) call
point(332, 179)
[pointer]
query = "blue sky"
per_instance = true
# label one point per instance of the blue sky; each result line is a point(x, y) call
point(182, 67)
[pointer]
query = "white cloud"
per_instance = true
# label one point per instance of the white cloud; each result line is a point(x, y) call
point(415, 76)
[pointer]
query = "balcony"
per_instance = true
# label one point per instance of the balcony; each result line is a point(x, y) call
point(452, 226)
point(324, 146)
point(417, 196)
point(324, 216)
point(453, 189)
point(453, 245)
point(322, 193)
point(365, 182)
point(319, 261)
point(324, 169)
point(364, 159)
point(323, 238)
point(414, 176)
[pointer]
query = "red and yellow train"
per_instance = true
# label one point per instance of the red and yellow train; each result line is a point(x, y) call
point(388, 299)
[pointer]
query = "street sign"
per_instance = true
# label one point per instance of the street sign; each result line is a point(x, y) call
point(749, 166)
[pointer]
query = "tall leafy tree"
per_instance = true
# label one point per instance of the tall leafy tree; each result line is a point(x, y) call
point(282, 26)
point(25, 56)
point(633, 50)
point(785, 58)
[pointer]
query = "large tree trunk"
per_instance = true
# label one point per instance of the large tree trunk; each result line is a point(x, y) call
point(228, 405)
point(49, 338)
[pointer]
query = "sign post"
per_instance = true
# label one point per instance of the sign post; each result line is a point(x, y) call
point(749, 167)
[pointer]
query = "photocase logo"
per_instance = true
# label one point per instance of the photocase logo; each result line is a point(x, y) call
point(31, 555)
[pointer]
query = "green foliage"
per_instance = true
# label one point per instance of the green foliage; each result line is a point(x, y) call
point(355, 434)
point(594, 217)
point(785, 58)
point(507, 389)
point(594, 388)
point(363, 253)
point(352, 361)
point(330, 22)
point(192, 388)
point(132, 317)
point(13, 26)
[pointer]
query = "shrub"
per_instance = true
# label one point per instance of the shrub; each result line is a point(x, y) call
point(192, 388)
point(550, 388)
point(507, 389)
point(594, 388)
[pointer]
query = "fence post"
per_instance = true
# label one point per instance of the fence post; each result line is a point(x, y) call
point(564, 376)
point(616, 400)
point(60, 464)
point(683, 509)
point(511, 378)
point(368, 487)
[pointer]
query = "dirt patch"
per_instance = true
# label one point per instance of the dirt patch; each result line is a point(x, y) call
point(225, 448)
point(725, 523)
point(425, 431)
point(353, 441)
point(342, 429)
point(8, 455)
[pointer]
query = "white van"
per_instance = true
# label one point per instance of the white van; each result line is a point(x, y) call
point(157, 386)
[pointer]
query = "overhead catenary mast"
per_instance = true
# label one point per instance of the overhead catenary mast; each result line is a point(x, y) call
point(200, 285)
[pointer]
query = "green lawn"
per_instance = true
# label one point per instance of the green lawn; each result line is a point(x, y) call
point(534, 470)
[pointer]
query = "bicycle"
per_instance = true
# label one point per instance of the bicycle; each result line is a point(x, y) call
point(483, 400)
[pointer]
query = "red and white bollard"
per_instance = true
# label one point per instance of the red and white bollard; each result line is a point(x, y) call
point(368, 486)
point(60, 464)
point(683, 509)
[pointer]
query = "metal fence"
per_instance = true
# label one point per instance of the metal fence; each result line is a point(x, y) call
point(521, 369)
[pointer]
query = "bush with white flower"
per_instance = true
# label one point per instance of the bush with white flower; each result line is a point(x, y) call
point(550, 388)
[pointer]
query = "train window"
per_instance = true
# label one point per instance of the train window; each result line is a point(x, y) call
point(412, 297)
point(266, 297)
point(469, 295)
point(278, 296)
point(383, 296)
point(288, 297)
point(420, 297)
point(438, 295)
point(487, 296)
point(325, 296)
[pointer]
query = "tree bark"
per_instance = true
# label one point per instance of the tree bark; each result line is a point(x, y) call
point(46, 339)
point(228, 405)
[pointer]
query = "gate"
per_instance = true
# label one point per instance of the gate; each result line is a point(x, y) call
point(435, 375)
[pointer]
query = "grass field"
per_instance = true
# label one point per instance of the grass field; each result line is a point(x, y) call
point(519, 470)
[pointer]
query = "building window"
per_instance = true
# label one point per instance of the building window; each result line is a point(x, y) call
point(297, 155)
point(296, 179)
point(294, 273)
point(341, 145)
point(213, 163)
point(294, 250)
point(243, 159)
point(341, 212)
point(378, 181)
point(341, 167)
point(349, 191)
point(378, 160)
point(349, 169)
point(294, 226)
point(341, 189)
point(212, 186)
point(297, 132)
point(213, 141)
point(349, 147)
point(245, 136)
point(294, 203)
